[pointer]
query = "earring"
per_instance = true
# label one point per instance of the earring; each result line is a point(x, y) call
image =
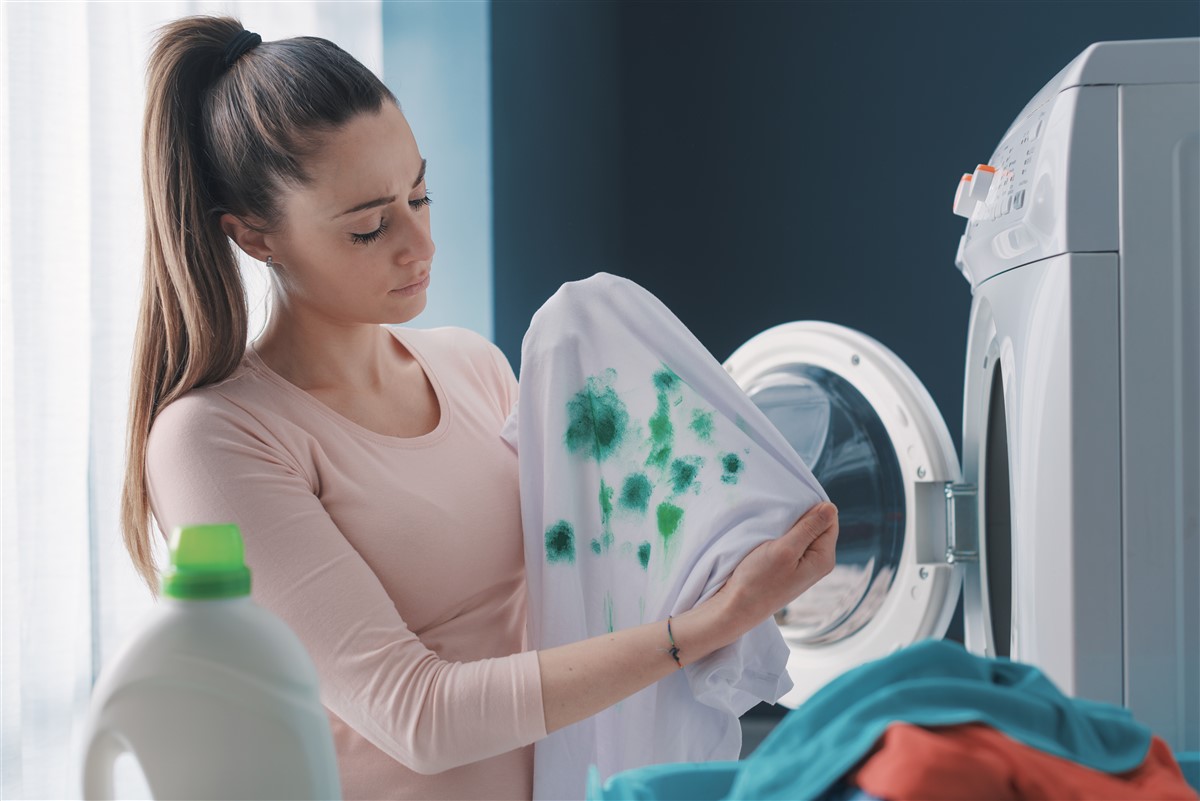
point(269, 261)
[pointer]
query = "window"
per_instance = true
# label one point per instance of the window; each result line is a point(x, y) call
point(71, 234)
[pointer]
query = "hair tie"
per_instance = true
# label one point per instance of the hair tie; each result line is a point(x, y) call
point(239, 44)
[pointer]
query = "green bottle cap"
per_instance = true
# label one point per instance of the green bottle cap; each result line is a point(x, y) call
point(206, 562)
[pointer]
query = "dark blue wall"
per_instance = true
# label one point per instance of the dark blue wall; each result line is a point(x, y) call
point(756, 163)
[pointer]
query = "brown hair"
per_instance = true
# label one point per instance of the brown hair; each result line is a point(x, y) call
point(216, 141)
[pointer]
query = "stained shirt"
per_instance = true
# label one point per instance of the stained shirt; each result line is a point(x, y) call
point(646, 475)
point(397, 561)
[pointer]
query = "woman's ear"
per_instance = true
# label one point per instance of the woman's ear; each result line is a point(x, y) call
point(252, 243)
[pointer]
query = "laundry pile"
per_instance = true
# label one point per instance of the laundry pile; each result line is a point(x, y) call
point(932, 722)
point(646, 475)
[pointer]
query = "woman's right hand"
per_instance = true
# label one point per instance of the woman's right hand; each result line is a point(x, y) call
point(776, 572)
point(582, 678)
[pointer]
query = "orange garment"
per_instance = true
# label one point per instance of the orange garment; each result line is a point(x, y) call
point(973, 761)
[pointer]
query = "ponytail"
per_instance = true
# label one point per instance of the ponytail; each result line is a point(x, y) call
point(215, 141)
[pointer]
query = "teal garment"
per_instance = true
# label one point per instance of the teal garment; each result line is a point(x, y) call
point(693, 781)
point(671, 781)
point(1189, 763)
point(932, 683)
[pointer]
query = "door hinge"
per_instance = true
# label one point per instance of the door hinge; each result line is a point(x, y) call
point(962, 523)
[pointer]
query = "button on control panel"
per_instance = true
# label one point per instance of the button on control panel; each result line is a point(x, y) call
point(995, 191)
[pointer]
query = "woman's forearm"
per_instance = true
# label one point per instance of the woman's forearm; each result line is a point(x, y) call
point(583, 678)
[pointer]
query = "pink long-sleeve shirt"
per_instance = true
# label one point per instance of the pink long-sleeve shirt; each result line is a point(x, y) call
point(397, 561)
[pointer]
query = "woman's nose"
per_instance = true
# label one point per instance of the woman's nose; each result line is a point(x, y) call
point(415, 242)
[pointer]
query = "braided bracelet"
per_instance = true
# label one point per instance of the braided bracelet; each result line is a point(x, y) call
point(674, 649)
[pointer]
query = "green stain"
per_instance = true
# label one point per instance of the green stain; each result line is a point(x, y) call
point(597, 420)
point(635, 494)
point(662, 434)
point(606, 496)
point(644, 554)
point(733, 465)
point(662, 431)
point(669, 516)
point(602, 543)
point(560, 542)
point(608, 611)
point(665, 380)
point(684, 471)
point(702, 424)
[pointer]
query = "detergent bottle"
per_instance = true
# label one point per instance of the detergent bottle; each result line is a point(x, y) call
point(215, 697)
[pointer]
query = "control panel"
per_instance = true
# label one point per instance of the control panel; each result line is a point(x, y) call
point(1003, 187)
point(1050, 186)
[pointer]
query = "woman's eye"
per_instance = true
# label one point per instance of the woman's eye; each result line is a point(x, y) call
point(366, 239)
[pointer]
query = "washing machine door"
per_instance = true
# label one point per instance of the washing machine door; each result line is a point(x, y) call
point(870, 432)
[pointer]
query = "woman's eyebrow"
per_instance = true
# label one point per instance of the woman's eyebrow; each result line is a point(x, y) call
point(382, 201)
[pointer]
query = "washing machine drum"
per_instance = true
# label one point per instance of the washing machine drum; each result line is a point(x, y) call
point(842, 439)
point(876, 441)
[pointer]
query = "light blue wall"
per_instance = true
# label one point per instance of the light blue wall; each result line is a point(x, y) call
point(437, 61)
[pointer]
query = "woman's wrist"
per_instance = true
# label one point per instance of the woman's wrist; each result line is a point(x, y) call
point(707, 627)
point(582, 678)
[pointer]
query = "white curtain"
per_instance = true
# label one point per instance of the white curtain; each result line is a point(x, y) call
point(71, 240)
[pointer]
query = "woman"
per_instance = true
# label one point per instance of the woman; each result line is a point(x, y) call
point(378, 505)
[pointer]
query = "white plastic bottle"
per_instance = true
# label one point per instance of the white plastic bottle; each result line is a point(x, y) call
point(216, 696)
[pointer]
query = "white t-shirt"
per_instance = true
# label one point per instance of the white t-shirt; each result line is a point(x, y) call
point(646, 475)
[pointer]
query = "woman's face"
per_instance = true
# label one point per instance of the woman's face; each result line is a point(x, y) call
point(355, 246)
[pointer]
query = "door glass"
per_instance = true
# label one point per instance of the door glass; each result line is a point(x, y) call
point(843, 441)
point(998, 521)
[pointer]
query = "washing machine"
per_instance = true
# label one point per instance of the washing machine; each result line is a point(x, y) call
point(1068, 529)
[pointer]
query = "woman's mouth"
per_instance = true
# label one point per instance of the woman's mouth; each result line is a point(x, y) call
point(413, 289)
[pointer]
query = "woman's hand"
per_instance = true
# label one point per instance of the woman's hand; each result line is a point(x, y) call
point(773, 574)
point(582, 678)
